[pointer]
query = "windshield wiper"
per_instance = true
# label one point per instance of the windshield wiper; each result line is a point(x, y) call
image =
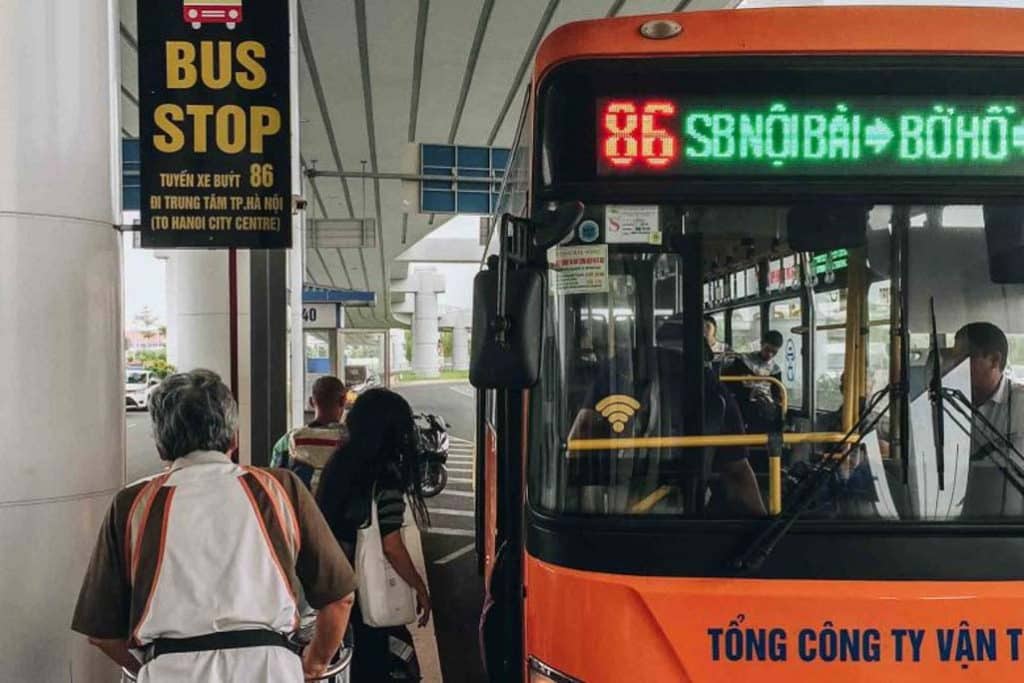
point(1001, 449)
point(752, 558)
point(935, 394)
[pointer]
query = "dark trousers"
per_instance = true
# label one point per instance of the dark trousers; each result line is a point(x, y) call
point(372, 660)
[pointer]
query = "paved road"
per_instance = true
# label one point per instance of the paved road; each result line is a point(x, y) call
point(143, 460)
point(456, 587)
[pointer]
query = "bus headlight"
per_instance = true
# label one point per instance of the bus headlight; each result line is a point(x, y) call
point(542, 673)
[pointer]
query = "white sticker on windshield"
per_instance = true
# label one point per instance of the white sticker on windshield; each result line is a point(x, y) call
point(579, 270)
point(630, 224)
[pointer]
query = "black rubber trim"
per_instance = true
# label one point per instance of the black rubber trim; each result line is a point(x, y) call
point(812, 550)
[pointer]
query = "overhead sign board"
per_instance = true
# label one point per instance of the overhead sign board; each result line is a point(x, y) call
point(214, 121)
point(321, 316)
point(345, 297)
point(811, 136)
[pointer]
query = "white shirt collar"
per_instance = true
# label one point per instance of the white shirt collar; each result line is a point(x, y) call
point(201, 458)
point(1002, 391)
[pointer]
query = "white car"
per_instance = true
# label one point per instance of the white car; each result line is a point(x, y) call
point(138, 385)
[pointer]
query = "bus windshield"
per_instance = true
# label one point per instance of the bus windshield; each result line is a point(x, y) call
point(789, 338)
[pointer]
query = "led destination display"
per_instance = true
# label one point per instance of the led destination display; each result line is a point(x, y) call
point(810, 136)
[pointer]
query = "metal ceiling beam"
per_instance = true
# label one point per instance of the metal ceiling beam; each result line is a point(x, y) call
point(130, 95)
point(128, 37)
point(517, 81)
point(384, 175)
point(364, 67)
point(467, 78)
point(323, 214)
point(417, 66)
point(616, 6)
point(321, 99)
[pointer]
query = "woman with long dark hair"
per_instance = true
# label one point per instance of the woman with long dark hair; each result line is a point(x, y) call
point(381, 460)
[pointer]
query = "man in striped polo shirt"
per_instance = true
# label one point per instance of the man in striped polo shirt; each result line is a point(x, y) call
point(305, 450)
point(199, 573)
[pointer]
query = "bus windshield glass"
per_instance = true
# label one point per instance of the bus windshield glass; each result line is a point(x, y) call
point(651, 407)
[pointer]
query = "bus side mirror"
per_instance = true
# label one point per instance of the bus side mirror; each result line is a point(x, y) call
point(824, 228)
point(1004, 235)
point(512, 360)
point(554, 223)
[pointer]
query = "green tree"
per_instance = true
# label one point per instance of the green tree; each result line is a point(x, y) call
point(159, 367)
point(447, 343)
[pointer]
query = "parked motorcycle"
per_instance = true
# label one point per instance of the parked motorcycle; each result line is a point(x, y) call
point(433, 432)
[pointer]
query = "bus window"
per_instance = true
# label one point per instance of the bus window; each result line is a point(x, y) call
point(785, 317)
point(829, 348)
point(616, 372)
point(746, 329)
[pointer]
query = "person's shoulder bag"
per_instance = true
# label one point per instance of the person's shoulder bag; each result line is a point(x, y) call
point(385, 599)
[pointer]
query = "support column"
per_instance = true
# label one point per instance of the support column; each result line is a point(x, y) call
point(425, 332)
point(61, 327)
point(460, 339)
point(398, 359)
point(269, 348)
point(199, 322)
point(297, 255)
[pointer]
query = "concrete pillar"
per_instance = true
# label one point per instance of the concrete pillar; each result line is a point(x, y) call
point(61, 327)
point(425, 332)
point(398, 360)
point(199, 322)
point(460, 339)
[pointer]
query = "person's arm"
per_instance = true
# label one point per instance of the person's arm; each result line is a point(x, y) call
point(588, 424)
point(741, 486)
point(102, 611)
point(279, 454)
point(331, 622)
point(117, 649)
point(323, 570)
point(398, 555)
point(776, 389)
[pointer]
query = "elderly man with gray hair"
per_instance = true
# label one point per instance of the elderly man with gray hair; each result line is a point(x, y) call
point(200, 569)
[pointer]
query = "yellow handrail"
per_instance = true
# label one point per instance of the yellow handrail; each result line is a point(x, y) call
point(704, 441)
point(759, 378)
point(774, 459)
point(645, 504)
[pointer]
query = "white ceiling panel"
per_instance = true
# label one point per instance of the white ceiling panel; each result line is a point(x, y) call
point(334, 114)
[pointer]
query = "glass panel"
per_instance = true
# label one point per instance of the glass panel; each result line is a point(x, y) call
point(615, 413)
point(439, 202)
point(746, 329)
point(785, 318)
point(830, 354)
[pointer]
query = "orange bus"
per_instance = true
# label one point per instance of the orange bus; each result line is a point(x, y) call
point(746, 349)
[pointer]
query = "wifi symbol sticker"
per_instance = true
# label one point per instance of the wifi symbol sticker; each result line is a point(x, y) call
point(618, 409)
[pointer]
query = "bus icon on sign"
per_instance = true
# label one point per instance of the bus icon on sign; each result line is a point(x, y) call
point(199, 12)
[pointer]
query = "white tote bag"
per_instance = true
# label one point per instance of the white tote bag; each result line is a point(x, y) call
point(385, 599)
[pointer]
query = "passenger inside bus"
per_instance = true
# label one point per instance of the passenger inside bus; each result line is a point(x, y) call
point(1000, 399)
point(719, 478)
point(717, 346)
point(760, 402)
point(834, 314)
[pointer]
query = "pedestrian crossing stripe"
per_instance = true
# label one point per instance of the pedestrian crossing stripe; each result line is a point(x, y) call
point(446, 531)
point(458, 494)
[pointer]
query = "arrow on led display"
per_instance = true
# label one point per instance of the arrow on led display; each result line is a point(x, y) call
point(878, 135)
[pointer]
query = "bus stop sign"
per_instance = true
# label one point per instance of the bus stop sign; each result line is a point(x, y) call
point(214, 123)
